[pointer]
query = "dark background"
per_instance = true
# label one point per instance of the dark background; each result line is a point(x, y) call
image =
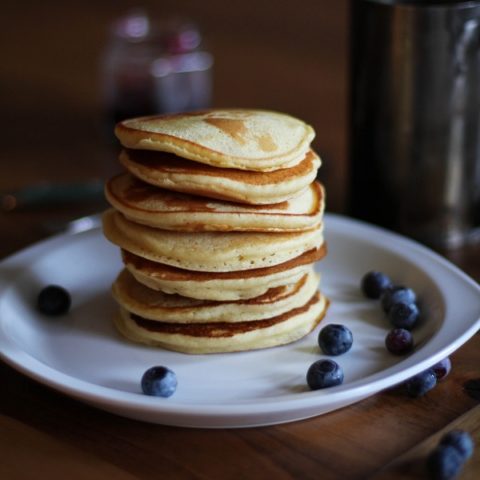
point(268, 54)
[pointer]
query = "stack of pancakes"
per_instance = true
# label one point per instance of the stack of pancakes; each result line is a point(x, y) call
point(219, 221)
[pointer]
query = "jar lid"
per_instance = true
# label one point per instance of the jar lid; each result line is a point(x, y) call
point(174, 35)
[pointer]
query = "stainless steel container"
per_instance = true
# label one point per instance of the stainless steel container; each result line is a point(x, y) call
point(415, 118)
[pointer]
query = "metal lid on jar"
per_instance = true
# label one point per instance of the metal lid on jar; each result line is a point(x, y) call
point(173, 35)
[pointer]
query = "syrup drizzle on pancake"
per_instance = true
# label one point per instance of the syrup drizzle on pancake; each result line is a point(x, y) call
point(235, 128)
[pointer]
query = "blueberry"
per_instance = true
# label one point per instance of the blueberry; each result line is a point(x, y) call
point(395, 294)
point(420, 384)
point(444, 463)
point(159, 381)
point(335, 339)
point(461, 441)
point(403, 315)
point(324, 374)
point(374, 284)
point(399, 341)
point(442, 368)
point(53, 300)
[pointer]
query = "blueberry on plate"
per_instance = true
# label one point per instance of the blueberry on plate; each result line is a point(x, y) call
point(461, 441)
point(159, 381)
point(403, 315)
point(374, 284)
point(399, 341)
point(324, 374)
point(442, 368)
point(395, 294)
point(421, 383)
point(53, 300)
point(335, 339)
point(444, 463)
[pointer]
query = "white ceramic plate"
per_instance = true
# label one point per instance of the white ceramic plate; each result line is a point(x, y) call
point(81, 354)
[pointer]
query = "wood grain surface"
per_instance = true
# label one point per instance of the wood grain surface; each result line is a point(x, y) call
point(412, 463)
point(289, 57)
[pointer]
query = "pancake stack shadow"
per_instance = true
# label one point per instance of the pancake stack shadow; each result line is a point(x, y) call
point(220, 221)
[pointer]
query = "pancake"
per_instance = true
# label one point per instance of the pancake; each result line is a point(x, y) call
point(224, 337)
point(155, 305)
point(168, 171)
point(254, 140)
point(209, 251)
point(221, 286)
point(155, 207)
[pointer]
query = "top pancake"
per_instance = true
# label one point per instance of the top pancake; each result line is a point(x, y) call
point(254, 140)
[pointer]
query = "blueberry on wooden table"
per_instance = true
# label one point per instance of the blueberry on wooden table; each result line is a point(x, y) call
point(335, 339)
point(444, 463)
point(461, 440)
point(324, 374)
point(374, 284)
point(159, 381)
point(53, 300)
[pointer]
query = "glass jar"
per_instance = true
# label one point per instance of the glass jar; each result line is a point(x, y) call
point(152, 67)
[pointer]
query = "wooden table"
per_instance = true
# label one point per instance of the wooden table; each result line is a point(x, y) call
point(288, 60)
